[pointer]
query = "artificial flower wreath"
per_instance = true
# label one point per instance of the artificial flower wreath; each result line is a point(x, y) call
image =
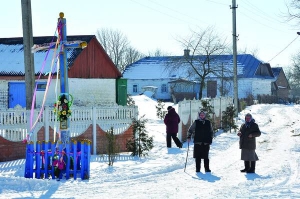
point(62, 107)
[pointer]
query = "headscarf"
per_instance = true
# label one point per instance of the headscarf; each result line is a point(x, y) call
point(248, 123)
point(169, 108)
point(204, 116)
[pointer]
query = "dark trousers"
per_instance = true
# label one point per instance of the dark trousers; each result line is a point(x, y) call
point(57, 172)
point(201, 151)
point(175, 139)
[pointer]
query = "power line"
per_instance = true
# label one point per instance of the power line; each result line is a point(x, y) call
point(261, 12)
point(164, 13)
point(283, 49)
point(176, 17)
point(258, 14)
point(260, 22)
point(217, 2)
point(176, 11)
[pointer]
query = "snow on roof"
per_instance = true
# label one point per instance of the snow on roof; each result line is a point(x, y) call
point(149, 68)
point(282, 87)
point(156, 67)
point(12, 54)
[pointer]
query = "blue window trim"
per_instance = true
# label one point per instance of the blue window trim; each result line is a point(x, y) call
point(134, 86)
point(41, 86)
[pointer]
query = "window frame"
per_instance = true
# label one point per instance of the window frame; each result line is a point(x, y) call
point(40, 86)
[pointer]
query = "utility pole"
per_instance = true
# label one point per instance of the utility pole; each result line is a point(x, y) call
point(234, 37)
point(28, 56)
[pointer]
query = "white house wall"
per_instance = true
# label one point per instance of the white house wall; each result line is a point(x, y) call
point(152, 82)
point(84, 91)
point(262, 87)
point(93, 91)
point(254, 86)
point(244, 88)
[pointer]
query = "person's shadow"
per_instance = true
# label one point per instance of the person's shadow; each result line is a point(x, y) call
point(253, 176)
point(175, 150)
point(206, 177)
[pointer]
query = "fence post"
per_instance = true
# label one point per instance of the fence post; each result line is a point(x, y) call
point(68, 154)
point(82, 159)
point(46, 123)
point(75, 157)
point(180, 123)
point(88, 159)
point(38, 160)
point(29, 161)
point(46, 163)
point(94, 131)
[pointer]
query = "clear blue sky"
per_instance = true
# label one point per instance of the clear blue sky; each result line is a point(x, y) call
point(156, 24)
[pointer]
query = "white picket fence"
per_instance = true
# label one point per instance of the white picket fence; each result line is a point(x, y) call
point(14, 123)
point(189, 109)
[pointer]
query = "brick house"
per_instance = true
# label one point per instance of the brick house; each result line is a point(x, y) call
point(281, 86)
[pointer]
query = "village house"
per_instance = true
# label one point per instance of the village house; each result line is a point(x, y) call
point(281, 86)
point(254, 78)
point(95, 83)
point(93, 77)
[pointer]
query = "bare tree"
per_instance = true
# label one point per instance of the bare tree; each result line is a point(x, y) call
point(118, 48)
point(254, 52)
point(200, 59)
point(293, 8)
point(226, 82)
point(158, 53)
point(293, 76)
point(131, 55)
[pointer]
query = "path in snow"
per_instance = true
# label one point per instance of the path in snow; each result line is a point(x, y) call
point(161, 175)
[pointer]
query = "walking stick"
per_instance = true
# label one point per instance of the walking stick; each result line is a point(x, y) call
point(187, 153)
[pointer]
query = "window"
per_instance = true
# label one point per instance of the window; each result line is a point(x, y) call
point(41, 86)
point(134, 88)
point(164, 88)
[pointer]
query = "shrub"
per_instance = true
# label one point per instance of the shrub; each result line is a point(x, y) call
point(112, 148)
point(228, 118)
point(130, 101)
point(209, 112)
point(160, 113)
point(140, 143)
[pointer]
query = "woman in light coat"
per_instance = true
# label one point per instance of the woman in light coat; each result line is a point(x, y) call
point(248, 133)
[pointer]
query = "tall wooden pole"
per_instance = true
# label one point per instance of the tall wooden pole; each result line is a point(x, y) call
point(28, 56)
point(234, 38)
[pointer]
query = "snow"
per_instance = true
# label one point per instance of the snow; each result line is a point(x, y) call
point(161, 174)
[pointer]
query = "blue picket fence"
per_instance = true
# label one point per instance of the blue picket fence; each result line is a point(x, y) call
point(39, 161)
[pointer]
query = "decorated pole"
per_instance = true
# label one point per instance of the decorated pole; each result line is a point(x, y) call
point(64, 86)
point(65, 99)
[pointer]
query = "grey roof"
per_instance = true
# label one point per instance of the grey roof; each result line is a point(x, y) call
point(276, 71)
point(155, 67)
point(12, 54)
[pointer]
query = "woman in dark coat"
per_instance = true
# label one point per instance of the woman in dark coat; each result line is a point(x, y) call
point(202, 132)
point(248, 132)
point(171, 121)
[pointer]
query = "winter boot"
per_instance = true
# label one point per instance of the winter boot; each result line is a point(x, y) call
point(206, 165)
point(247, 166)
point(252, 168)
point(198, 164)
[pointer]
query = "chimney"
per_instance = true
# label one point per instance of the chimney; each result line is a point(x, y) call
point(186, 52)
